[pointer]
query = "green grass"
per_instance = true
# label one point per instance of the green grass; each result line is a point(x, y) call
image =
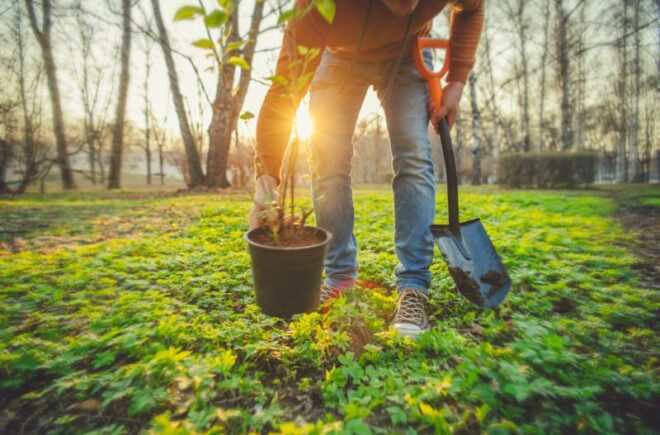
point(125, 314)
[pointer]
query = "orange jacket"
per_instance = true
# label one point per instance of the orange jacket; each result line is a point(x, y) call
point(382, 40)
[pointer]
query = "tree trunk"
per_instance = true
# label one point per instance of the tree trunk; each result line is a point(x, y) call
point(635, 168)
point(114, 177)
point(492, 89)
point(29, 146)
point(86, 49)
point(523, 58)
point(220, 130)
point(192, 156)
point(621, 160)
point(160, 164)
point(544, 56)
point(5, 157)
point(227, 104)
point(147, 112)
point(43, 38)
point(580, 85)
point(99, 160)
point(564, 76)
point(91, 158)
point(649, 135)
point(160, 136)
point(476, 131)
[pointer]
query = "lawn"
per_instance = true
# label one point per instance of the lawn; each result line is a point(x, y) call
point(127, 312)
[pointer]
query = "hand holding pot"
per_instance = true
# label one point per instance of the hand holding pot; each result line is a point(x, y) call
point(265, 192)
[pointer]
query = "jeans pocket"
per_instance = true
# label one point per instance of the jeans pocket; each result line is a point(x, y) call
point(333, 71)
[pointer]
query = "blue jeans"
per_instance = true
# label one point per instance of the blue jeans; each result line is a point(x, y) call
point(336, 95)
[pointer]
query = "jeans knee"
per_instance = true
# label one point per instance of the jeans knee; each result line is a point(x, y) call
point(416, 165)
point(332, 180)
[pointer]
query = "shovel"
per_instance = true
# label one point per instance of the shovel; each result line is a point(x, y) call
point(471, 258)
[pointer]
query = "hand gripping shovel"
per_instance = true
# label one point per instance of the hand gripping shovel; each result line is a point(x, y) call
point(471, 258)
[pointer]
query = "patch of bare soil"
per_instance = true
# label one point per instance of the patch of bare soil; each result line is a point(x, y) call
point(90, 228)
point(644, 221)
point(360, 336)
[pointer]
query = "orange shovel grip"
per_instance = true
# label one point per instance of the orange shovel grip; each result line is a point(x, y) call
point(432, 78)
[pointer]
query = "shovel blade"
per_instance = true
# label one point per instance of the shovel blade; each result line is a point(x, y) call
point(473, 263)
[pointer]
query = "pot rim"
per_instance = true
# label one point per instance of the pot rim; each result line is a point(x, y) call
point(328, 238)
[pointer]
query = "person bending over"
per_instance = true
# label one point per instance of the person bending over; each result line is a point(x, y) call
point(369, 43)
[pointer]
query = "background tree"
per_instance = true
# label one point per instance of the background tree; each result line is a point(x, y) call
point(114, 174)
point(543, 63)
point(635, 167)
point(563, 73)
point(476, 131)
point(148, 115)
point(196, 175)
point(92, 74)
point(622, 158)
point(160, 137)
point(229, 97)
point(515, 9)
point(43, 37)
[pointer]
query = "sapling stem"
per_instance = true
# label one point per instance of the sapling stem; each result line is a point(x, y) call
point(294, 158)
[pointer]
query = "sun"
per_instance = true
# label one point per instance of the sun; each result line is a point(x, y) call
point(304, 122)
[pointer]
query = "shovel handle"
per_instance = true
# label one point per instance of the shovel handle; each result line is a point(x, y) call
point(433, 81)
point(432, 78)
point(452, 178)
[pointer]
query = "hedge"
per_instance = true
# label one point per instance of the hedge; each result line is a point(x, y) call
point(547, 170)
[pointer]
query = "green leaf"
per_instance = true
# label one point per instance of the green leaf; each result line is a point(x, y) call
point(286, 16)
point(104, 359)
point(187, 13)
point(142, 401)
point(215, 19)
point(247, 115)
point(327, 9)
point(204, 43)
point(239, 62)
point(235, 45)
point(302, 50)
point(278, 80)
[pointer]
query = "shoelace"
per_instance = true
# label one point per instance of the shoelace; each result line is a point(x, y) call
point(411, 308)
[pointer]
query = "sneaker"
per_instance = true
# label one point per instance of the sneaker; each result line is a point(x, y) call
point(328, 294)
point(410, 318)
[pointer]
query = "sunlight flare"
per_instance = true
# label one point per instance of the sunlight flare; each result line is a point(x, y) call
point(304, 124)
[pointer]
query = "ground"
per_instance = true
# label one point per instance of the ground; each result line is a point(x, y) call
point(123, 312)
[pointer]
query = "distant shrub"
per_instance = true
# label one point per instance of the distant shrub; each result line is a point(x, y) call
point(547, 170)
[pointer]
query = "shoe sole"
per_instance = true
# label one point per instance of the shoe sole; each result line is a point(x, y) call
point(408, 329)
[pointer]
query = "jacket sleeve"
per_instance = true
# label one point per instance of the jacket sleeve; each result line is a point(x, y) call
point(279, 107)
point(467, 19)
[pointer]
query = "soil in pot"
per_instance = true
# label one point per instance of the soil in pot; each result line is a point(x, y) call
point(304, 236)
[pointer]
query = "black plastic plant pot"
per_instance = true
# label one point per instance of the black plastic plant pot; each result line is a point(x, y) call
point(287, 280)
